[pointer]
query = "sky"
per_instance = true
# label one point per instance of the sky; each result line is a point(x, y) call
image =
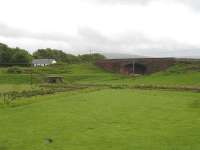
point(159, 28)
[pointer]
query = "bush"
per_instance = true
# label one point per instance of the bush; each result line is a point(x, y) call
point(14, 70)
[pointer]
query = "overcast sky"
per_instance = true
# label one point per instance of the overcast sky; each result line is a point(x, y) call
point(143, 27)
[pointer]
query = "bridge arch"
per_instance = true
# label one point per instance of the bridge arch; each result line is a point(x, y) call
point(134, 68)
point(136, 65)
point(140, 68)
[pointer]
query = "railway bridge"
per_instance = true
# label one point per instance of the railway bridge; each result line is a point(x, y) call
point(136, 65)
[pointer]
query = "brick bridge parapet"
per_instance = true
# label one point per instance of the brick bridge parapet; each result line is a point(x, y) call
point(136, 65)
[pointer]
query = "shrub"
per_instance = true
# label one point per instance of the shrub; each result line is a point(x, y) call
point(14, 70)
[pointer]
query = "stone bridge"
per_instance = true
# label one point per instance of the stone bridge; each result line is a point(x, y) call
point(136, 65)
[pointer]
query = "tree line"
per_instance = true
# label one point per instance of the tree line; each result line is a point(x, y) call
point(18, 56)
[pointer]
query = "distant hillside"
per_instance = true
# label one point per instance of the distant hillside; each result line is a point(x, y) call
point(121, 55)
point(191, 57)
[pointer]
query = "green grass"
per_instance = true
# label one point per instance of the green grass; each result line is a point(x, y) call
point(105, 119)
point(178, 75)
point(16, 87)
point(14, 79)
point(100, 119)
point(181, 74)
point(187, 79)
point(72, 73)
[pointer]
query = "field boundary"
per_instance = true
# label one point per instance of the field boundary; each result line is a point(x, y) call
point(145, 87)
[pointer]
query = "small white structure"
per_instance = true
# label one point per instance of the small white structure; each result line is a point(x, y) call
point(43, 62)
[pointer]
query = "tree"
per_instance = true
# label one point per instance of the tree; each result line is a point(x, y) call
point(5, 53)
point(21, 56)
point(13, 55)
point(58, 55)
point(91, 57)
point(61, 56)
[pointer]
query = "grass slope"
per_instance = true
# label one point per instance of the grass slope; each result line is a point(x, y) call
point(107, 119)
point(185, 74)
point(181, 74)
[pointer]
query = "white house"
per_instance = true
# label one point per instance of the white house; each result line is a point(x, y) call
point(43, 62)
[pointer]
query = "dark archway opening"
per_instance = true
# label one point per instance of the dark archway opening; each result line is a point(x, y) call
point(128, 69)
point(139, 69)
point(135, 68)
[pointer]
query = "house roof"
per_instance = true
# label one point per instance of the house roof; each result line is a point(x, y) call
point(42, 61)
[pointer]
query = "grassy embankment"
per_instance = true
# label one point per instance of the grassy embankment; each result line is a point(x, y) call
point(179, 75)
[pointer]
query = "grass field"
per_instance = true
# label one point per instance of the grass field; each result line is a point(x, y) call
point(16, 87)
point(106, 119)
point(182, 74)
point(101, 117)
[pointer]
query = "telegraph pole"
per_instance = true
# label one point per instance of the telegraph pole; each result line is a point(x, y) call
point(133, 67)
point(31, 76)
point(91, 54)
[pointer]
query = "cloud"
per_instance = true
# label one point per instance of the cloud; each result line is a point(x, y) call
point(191, 3)
point(130, 42)
point(122, 1)
point(91, 39)
point(11, 32)
point(8, 31)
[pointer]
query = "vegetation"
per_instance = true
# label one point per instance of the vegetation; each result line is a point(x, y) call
point(87, 73)
point(95, 109)
point(16, 56)
point(105, 119)
point(60, 56)
point(9, 56)
point(14, 70)
point(91, 57)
